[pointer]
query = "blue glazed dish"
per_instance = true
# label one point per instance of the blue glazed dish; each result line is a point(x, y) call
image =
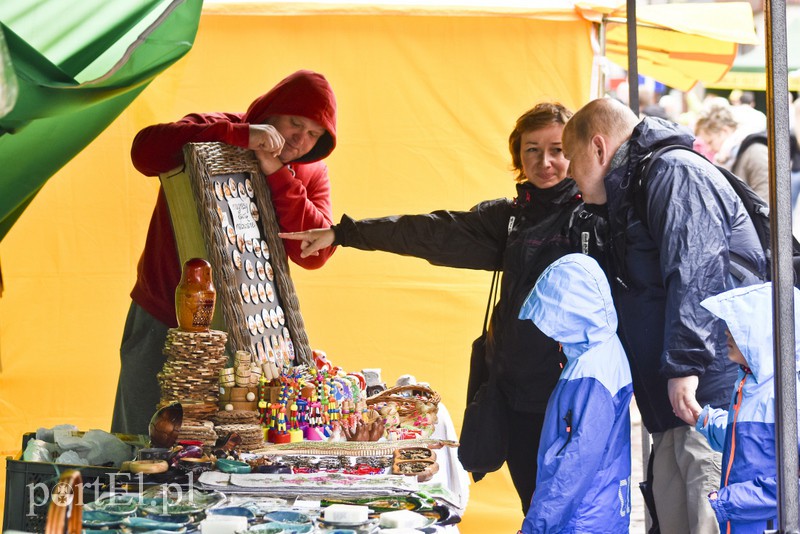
point(287, 516)
point(233, 466)
point(239, 511)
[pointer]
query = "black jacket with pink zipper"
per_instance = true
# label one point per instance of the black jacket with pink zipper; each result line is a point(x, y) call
point(527, 362)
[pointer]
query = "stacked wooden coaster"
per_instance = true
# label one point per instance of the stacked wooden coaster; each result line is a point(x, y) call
point(191, 371)
point(197, 412)
point(201, 432)
point(236, 417)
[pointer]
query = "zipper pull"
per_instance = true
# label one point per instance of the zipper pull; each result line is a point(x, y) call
point(739, 394)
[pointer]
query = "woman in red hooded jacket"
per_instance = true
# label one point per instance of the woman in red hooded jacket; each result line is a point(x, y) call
point(290, 129)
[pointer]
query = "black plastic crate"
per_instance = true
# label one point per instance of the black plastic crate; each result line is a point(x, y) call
point(29, 486)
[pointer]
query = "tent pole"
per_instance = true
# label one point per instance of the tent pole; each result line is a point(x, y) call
point(599, 63)
point(782, 272)
point(633, 65)
point(633, 103)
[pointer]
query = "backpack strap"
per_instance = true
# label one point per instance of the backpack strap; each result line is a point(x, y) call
point(753, 138)
point(761, 137)
point(639, 182)
point(756, 208)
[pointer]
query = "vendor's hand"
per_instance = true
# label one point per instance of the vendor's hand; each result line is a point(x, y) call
point(682, 397)
point(267, 162)
point(265, 137)
point(267, 144)
point(312, 240)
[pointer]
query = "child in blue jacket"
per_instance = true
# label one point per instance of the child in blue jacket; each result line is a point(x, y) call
point(584, 473)
point(747, 499)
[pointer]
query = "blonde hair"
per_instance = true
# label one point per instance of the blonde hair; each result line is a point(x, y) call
point(715, 119)
point(603, 116)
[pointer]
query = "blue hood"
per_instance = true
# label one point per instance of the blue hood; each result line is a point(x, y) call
point(571, 303)
point(653, 133)
point(748, 313)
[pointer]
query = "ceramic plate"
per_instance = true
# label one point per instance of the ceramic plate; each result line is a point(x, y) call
point(118, 505)
point(93, 518)
point(233, 510)
point(152, 524)
point(339, 524)
point(287, 516)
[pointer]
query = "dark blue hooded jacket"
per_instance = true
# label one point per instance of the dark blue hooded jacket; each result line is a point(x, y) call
point(672, 261)
point(745, 433)
point(584, 460)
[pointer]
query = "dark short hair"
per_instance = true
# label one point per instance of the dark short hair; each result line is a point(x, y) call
point(540, 116)
point(748, 98)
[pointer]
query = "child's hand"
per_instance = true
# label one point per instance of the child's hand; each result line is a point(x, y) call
point(702, 418)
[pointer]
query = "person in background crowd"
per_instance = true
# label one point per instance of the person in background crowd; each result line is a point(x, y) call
point(519, 237)
point(663, 263)
point(583, 482)
point(650, 103)
point(290, 130)
point(745, 433)
point(748, 160)
point(672, 106)
point(748, 118)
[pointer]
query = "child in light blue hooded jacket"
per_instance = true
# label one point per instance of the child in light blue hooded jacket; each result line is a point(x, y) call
point(747, 499)
point(584, 459)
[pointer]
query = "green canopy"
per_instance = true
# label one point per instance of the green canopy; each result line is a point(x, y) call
point(67, 70)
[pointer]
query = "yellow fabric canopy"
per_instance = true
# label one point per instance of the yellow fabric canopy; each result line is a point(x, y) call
point(678, 44)
point(681, 44)
point(536, 9)
point(748, 72)
point(426, 104)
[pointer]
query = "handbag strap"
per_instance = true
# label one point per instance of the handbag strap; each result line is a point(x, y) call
point(492, 297)
point(495, 283)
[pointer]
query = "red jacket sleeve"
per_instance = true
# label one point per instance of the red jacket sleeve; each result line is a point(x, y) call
point(159, 148)
point(302, 201)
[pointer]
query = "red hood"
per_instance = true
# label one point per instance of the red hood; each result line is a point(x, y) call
point(305, 94)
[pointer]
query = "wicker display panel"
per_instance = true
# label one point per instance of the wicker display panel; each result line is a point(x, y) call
point(251, 327)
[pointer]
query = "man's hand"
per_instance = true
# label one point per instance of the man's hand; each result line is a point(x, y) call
point(266, 143)
point(682, 397)
point(312, 240)
point(265, 137)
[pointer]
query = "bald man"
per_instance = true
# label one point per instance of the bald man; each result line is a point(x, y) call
point(663, 261)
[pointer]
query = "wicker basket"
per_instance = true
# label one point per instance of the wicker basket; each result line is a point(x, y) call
point(406, 398)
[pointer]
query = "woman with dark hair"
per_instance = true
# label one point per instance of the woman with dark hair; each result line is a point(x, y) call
point(519, 237)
